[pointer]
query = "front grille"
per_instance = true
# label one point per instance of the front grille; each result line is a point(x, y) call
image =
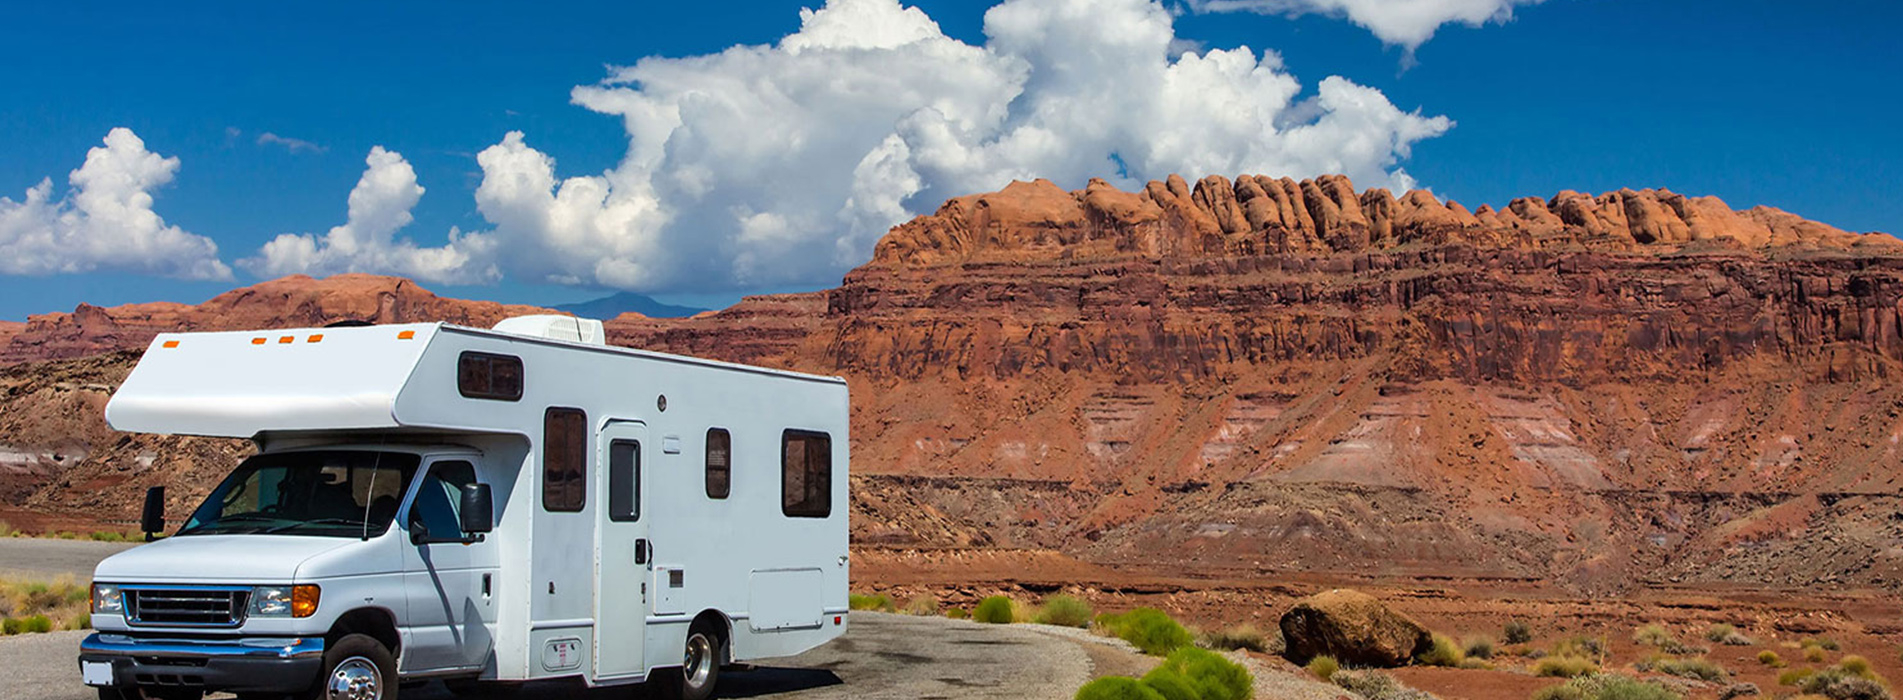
point(187, 607)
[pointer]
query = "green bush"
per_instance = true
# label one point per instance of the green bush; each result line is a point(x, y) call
point(1855, 665)
point(1375, 685)
point(1580, 645)
point(1479, 647)
point(996, 610)
point(1151, 631)
point(1606, 687)
point(1722, 633)
point(1065, 611)
point(1243, 636)
point(1516, 632)
point(37, 623)
point(12, 626)
point(1837, 683)
point(1825, 643)
point(1441, 652)
point(1770, 658)
point(1814, 654)
point(1565, 666)
point(1324, 667)
point(874, 601)
point(1117, 688)
point(1170, 684)
point(1701, 669)
point(958, 614)
point(1795, 676)
point(1213, 676)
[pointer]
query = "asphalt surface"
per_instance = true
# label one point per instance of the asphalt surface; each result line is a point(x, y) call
point(49, 558)
point(881, 655)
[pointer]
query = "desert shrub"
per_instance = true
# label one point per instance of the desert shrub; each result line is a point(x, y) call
point(1770, 658)
point(1701, 669)
point(924, 605)
point(1738, 690)
point(1116, 688)
point(1151, 631)
point(1170, 684)
point(1243, 636)
point(1653, 635)
point(82, 621)
point(1479, 647)
point(6, 529)
point(1855, 665)
point(958, 613)
point(1795, 676)
point(1214, 677)
point(1565, 666)
point(1813, 654)
point(1824, 643)
point(1516, 632)
point(870, 601)
point(1324, 667)
point(1442, 651)
point(1064, 611)
point(1474, 664)
point(1560, 691)
point(996, 610)
point(37, 623)
point(12, 626)
point(1581, 646)
point(1605, 687)
point(1375, 685)
point(1722, 633)
point(1837, 683)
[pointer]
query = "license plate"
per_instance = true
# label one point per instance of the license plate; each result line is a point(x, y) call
point(96, 672)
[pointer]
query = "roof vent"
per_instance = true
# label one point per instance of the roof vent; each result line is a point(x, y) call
point(556, 327)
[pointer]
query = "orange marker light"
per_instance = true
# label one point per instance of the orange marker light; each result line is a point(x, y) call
point(171, 343)
point(304, 600)
point(257, 341)
point(316, 338)
point(286, 340)
point(406, 335)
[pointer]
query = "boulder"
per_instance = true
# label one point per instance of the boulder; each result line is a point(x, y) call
point(1353, 627)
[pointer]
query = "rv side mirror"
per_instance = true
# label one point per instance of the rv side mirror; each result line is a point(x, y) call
point(152, 519)
point(478, 511)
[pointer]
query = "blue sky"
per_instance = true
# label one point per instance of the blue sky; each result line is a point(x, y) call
point(1756, 102)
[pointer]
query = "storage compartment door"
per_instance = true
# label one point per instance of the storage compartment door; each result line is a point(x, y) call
point(786, 599)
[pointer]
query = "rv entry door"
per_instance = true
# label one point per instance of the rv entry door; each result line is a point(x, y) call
point(623, 553)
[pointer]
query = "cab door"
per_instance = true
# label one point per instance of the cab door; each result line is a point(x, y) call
point(622, 554)
point(448, 575)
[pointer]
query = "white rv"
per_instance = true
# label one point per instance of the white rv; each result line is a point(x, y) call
point(432, 501)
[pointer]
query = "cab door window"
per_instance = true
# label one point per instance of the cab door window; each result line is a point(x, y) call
point(438, 504)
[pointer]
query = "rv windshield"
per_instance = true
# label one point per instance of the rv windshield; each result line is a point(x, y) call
point(332, 493)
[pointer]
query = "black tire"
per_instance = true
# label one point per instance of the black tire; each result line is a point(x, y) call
point(347, 666)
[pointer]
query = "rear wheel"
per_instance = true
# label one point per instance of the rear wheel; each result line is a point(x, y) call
point(357, 667)
point(700, 667)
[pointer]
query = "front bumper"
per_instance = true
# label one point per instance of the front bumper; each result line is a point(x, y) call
point(251, 664)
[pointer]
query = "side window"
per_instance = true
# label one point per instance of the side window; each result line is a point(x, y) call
point(564, 459)
point(624, 481)
point(481, 375)
point(439, 500)
point(719, 463)
point(806, 474)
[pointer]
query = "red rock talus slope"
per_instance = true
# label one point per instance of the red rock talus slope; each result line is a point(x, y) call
point(1278, 375)
point(296, 301)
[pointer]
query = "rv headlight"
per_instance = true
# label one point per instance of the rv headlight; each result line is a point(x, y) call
point(107, 601)
point(284, 601)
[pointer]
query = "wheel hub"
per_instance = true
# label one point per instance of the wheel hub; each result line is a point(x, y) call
point(354, 679)
point(698, 667)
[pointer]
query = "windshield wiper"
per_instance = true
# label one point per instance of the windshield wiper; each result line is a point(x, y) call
point(233, 518)
point(351, 522)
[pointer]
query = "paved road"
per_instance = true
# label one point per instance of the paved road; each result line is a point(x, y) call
point(881, 656)
point(48, 558)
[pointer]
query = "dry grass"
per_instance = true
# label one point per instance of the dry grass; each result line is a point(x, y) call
point(43, 606)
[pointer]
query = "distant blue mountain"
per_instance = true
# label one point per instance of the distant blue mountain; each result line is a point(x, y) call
point(611, 306)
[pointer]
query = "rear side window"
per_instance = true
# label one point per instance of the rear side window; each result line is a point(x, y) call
point(481, 375)
point(719, 463)
point(564, 459)
point(806, 474)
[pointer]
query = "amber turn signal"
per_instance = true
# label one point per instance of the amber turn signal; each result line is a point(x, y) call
point(304, 600)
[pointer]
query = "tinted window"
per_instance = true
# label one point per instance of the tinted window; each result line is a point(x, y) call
point(564, 459)
point(806, 474)
point(719, 463)
point(624, 481)
point(439, 500)
point(480, 375)
point(326, 493)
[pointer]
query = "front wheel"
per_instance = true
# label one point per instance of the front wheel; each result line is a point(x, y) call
point(357, 667)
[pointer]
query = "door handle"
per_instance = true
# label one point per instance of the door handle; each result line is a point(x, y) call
point(641, 551)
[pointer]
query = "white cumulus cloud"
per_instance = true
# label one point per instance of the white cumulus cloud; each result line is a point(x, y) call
point(1408, 23)
point(769, 166)
point(105, 222)
point(380, 206)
